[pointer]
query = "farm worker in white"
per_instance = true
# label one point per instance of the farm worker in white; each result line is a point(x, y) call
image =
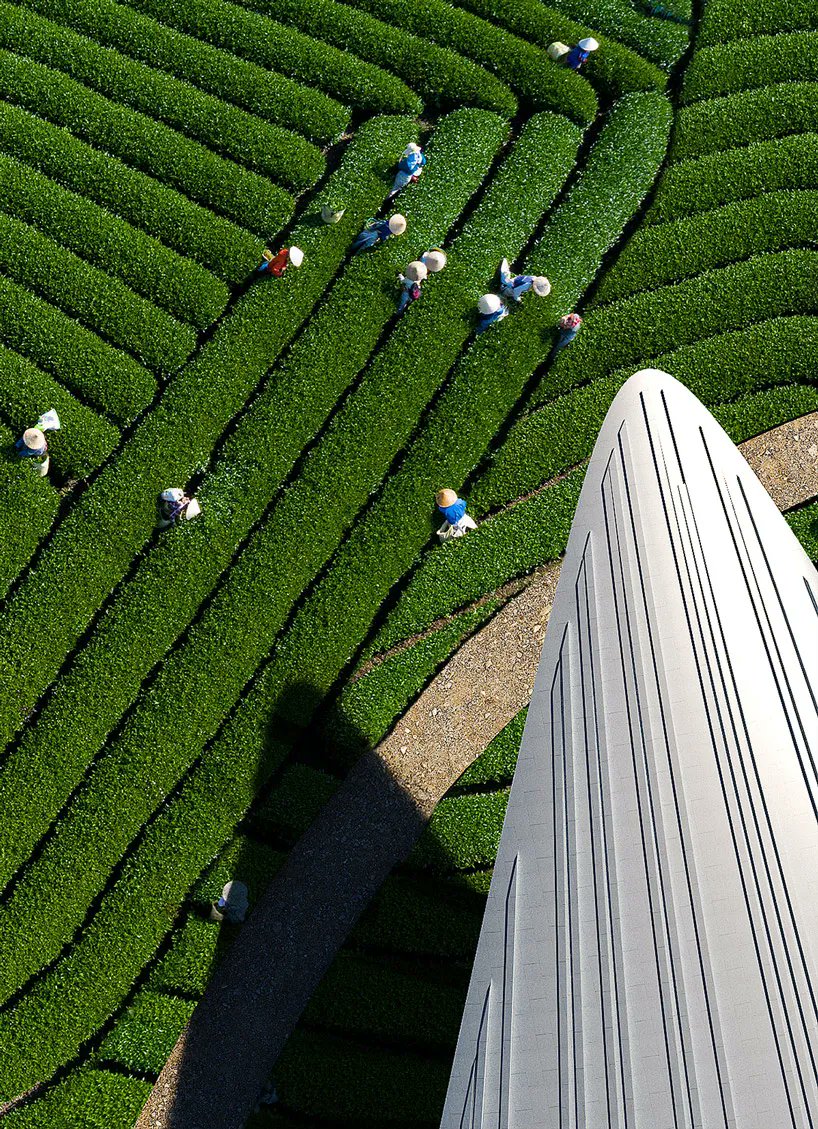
point(491, 310)
point(410, 283)
point(174, 504)
point(410, 167)
point(378, 231)
point(330, 214)
point(457, 521)
point(33, 444)
point(233, 903)
point(515, 285)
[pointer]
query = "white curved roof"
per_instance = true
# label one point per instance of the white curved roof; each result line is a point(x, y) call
point(649, 953)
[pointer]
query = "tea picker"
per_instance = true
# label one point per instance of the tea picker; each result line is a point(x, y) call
point(278, 263)
point(569, 327)
point(457, 521)
point(175, 504)
point(378, 231)
point(410, 283)
point(233, 903)
point(330, 214)
point(490, 310)
point(578, 56)
point(434, 260)
point(515, 285)
point(33, 444)
point(410, 167)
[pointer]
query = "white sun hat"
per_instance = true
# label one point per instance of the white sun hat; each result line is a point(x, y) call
point(397, 224)
point(172, 494)
point(588, 44)
point(489, 304)
point(435, 260)
point(412, 147)
point(541, 285)
point(33, 438)
point(192, 510)
point(416, 271)
point(296, 256)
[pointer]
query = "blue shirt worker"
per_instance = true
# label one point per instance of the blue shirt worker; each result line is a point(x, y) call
point(410, 167)
point(490, 310)
point(378, 231)
point(515, 285)
point(33, 445)
point(578, 56)
point(416, 273)
point(569, 328)
point(457, 521)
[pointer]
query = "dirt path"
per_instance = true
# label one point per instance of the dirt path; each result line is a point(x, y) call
point(215, 1074)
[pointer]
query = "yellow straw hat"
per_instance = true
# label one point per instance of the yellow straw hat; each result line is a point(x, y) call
point(446, 497)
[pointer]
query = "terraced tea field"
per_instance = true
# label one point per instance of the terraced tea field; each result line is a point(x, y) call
point(176, 707)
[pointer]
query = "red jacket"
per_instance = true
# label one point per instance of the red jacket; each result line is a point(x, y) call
point(279, 264)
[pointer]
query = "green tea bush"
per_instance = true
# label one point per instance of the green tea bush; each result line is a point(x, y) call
point(109, 379)
point(463, 833)
point(696, 186)
point(761, 411)
point(246, 139)
point(28, 506)
point(91, 297)
point(672, 251)
point(146, 144)
point(93, 1099)
point(740, 119)
point(114, 518)
point(526, 68)
point(297, 799)
point(228, 250)
point(406, 916)
point(269, 44)
point(804, 524)
point(145, 1034)
point(257, 89)
point(439, 75)
point(176, 284)
point(724, 20)
point(614, 70)
point(660, 41)
point(642, 326)
point(85, 439)
point(497, 762)
point(750, 63)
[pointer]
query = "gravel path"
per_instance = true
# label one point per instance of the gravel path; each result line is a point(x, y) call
point(228, 1050)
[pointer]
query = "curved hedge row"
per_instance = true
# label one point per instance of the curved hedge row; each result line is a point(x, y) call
point(98, 373)
point(698, 185)
point(656, 256)
point(439, 75)
point(268, 44)
point(144, 143)
point(761, 411)
point(525, 67)
point(614, 70)
point(750, 63)
point(223, 128)
point(228, 250)
point(90, 824)
point(178, 285)
point(660, 41)
point(113, 519)
point(484, 389)
point(28, 506)
point(634, 329)
point(740, 119)
point(94, 299)
point(85, 439)
point(94, 1099)
point(725, 20)
point(257, 89)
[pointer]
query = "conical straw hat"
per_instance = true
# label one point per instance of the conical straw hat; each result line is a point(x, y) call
point(446, 497)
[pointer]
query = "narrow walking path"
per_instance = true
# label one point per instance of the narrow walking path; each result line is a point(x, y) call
point(215, 1074)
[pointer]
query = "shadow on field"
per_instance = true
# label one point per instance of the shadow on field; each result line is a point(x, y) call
point(257, 992)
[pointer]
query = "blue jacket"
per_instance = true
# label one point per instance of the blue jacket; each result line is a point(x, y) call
point(576, 57)
point(27, 453)
point(454, 512)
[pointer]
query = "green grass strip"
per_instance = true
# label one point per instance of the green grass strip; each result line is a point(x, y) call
point(92, 298)
point(113, 520)
point(91, 825)
point(107, 378)
point(751, 63)
point(523, 66)
point(228, 250)
point(613, 70)
point(696, 186)
point(740, 119)
point(176, 284)
point(223, 128)
point(656, 256)
point(439, 75)
point(266, 43)
point(85, 439)
point(257, 89)
point(145, 144)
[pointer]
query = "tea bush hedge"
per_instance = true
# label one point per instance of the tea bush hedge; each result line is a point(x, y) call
point(751, 63)
point(740, 119)
point(725, 20)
